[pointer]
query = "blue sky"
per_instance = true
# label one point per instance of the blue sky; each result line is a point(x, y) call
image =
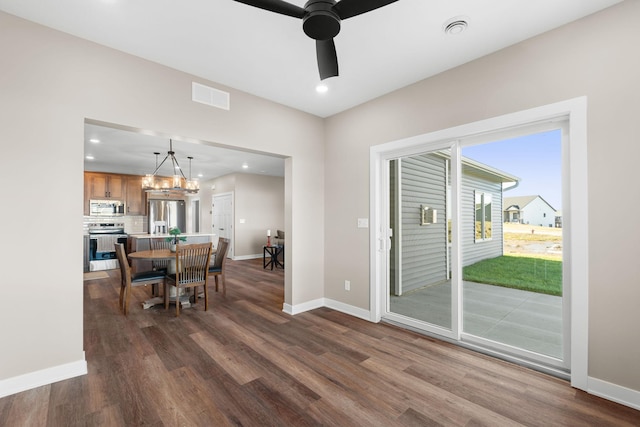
point(536, 159)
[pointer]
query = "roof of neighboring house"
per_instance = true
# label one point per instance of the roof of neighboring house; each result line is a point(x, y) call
point(521, 201)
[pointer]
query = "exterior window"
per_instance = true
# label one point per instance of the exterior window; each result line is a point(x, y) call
point(483, 216)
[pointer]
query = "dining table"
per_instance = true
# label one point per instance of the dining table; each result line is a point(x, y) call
point(162, 254)
point(156, 255)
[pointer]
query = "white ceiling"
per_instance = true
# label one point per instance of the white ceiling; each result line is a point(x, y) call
point(129, 152)
point(269, 55)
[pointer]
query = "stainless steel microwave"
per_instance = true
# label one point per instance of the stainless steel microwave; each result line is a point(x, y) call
point(106, 208)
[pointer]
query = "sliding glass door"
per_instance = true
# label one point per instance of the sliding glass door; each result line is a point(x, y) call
point(476, 244)
point(420, 285)
point(512, 253)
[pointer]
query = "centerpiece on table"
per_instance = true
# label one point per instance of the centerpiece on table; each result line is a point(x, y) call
point(175, 238)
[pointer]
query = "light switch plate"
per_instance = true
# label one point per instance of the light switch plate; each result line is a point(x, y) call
point(363, 222)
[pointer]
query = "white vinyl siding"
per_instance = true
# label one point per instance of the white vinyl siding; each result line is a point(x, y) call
point(423, 248)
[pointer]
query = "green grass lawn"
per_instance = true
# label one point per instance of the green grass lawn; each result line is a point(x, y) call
point(530, 274)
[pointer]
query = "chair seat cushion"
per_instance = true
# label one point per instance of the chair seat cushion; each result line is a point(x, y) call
point(147, 275)
point(215, 269)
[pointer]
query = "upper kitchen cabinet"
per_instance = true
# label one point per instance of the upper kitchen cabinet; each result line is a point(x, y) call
point(136, 200)
point(104, 186)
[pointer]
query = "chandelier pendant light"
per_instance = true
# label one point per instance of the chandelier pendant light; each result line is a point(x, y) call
point(151, 184)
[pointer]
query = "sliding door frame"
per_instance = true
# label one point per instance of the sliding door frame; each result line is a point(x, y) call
point(575, 213)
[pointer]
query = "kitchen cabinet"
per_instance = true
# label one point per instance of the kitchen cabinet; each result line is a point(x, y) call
point(136, 197)
point(127, 188)
point(104, 186)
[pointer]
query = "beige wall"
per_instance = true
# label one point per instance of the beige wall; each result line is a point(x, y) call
point(49, 84)
point(597, 57)
point(258, 200)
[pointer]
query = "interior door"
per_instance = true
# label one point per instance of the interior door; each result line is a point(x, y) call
point(222, 226)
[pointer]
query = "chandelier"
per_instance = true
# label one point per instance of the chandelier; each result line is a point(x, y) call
point(151, 183)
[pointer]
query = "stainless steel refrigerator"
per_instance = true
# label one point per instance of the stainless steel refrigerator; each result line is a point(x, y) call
point(165, 215)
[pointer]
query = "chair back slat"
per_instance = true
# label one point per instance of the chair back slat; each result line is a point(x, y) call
point(157, 244)
point(192, 263)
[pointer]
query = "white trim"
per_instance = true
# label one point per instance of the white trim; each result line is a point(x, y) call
point(328, 303)
point(616, 393)
point(305, 306)
point(578, 236)
point(245, 257)
point(43, 377)
point(377, 264)
point(287, 308)
point(540, 118)
point(347, 309)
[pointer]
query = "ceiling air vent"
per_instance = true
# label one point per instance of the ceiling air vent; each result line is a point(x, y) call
point(209, 96)
point(455, 25)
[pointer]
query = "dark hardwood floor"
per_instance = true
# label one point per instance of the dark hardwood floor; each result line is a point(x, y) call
point(245, 362)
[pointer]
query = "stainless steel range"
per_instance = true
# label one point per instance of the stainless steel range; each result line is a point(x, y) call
point(102, 240)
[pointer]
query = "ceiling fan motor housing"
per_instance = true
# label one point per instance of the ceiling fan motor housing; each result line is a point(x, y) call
point(320, 22)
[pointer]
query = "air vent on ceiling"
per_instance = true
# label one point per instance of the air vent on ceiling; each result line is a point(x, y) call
point(209, 96)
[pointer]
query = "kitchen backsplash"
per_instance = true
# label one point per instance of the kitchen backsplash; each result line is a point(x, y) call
point(132, 224)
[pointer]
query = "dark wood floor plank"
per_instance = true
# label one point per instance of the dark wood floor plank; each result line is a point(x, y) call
point(425, 397)
point(192, 405)
point(284, 409)
point(244, 362)
point(230, 357)
point(26, 409)
point(263, 313)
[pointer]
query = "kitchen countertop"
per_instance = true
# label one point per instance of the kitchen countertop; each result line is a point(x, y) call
point(153, 236)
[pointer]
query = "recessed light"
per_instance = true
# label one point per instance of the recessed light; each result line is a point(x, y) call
point(200, 175)
point(245, 166)
point(455, 25)
point(94, 140)
point(89, 157)
point(322, 88)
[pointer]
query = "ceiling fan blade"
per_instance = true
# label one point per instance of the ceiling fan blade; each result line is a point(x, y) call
point(348, 8)
point(327, 58)
point(277, 6)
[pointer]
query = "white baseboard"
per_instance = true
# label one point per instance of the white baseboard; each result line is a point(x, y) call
point(244, 257)
point(615, 393)
point(348, 309)
point(305, 306)
point(329, 303)
point(43, 377)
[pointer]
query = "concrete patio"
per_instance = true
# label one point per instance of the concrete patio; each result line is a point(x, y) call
point(522, 319)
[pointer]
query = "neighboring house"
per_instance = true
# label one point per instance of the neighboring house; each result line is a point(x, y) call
point(421, 186)
point(533, 210)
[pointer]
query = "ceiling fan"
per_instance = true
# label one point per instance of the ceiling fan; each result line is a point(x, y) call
point(321, 21)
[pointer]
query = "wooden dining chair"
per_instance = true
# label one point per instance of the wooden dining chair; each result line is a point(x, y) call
point(192, 265)
point(128, 280)
point(217, 268)
point(157, 244)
